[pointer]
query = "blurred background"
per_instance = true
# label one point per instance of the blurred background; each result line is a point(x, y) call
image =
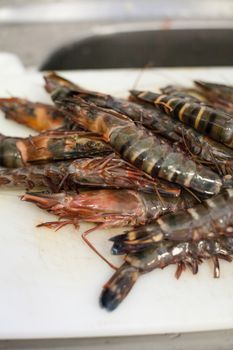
point(85, 34)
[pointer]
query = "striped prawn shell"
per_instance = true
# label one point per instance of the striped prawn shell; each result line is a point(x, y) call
point(208, 220)
point(142, 113)
point(184, 254)
point(211, 218)
point(168, 252)
point(59, 145)
point(146, 152)
point(207, 120)
point(163, 124)
point(50, 146)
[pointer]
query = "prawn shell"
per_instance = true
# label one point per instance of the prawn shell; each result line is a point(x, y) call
point(35, 115)
point(60, 146)
point(215, 123)
point(210, 219)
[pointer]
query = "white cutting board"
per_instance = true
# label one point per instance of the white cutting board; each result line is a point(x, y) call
point(51, 281)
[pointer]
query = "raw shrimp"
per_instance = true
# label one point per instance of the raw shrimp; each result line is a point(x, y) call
point(111, 208)
point(205, 148)
point(158, 256)
point(102, 172)
point(50, 146)
point(142, 114)
point(107, 208)
point(201, 147)
point(208, 220)
point(207, 120)
point(35, 115)
point(155, 157)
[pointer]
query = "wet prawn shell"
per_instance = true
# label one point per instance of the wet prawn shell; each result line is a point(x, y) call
point(216, 124)
point(51, 147)
point(144, 151)
point(165, 253)
point(211, 218)
point(109, 172)
point(54, 81)
point(206, 148)
point(200, 145)
point(97, 120)
point(181, 92)
point(157, 256)
point(138, 209)
point(222, 91)
point(162, 162)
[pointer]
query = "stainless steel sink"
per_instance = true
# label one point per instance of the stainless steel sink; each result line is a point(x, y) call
point(139, 48)
point(80, 34)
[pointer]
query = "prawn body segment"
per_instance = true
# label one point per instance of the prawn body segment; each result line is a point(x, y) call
point(50, 146)
point(147, 153)
point(210, 219)
point(217, 124)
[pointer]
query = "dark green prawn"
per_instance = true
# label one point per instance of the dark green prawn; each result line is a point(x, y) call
point(205, 119)
point(152, 155)
point(208, 220)
point(202, 148)
point(188, 253)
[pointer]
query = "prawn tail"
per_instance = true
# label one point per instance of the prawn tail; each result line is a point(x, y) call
point(118, 287)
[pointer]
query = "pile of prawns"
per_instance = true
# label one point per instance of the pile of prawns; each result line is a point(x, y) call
point(161, 163)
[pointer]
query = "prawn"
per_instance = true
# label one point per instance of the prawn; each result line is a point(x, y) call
point(209, 219)
point(205, 119)
point(152, 155)
point(50, 146)
point(35, 115)
point(101, 172)
point(106, 208)
point(188, 253)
